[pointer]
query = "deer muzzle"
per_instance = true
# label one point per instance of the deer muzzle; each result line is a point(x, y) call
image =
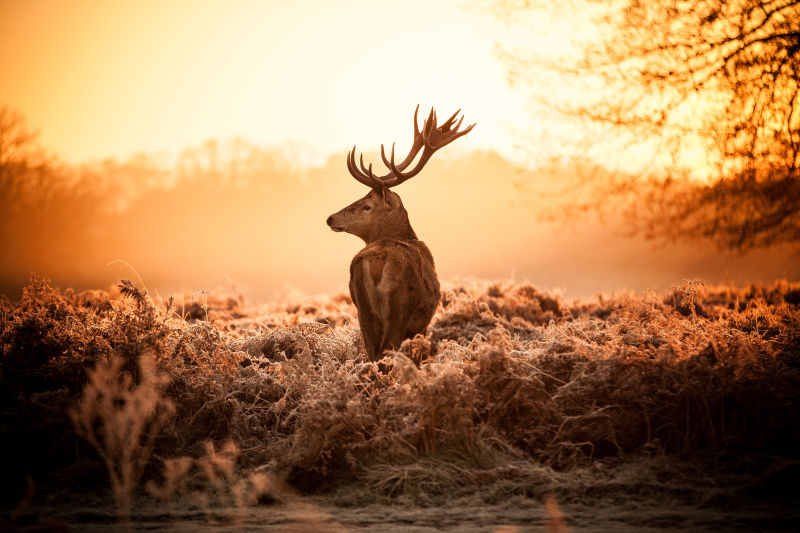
point(333, 225)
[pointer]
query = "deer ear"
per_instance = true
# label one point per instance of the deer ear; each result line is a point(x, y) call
point(383, 190)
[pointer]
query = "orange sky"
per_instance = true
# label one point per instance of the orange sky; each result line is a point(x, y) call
point(101, 79)
point(104, 79)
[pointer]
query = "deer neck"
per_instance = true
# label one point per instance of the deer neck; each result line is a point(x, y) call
point(395, 225)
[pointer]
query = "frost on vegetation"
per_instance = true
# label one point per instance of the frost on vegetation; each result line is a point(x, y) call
point(121, 420)
point(514, 383)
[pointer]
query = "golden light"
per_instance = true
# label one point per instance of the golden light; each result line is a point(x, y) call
point(105, 79)
point(308, 80)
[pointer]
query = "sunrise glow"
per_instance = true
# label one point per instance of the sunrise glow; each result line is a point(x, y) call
point(108, 79)
point(156, 100)
point(567, 301)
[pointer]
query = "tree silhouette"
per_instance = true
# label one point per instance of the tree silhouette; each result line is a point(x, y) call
point(717, 77)
point(46, 209)
point(17, 142)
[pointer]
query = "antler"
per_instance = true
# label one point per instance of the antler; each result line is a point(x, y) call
point(429, 139)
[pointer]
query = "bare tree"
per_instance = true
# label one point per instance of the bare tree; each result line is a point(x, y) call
point(16, 140)
point(21, 166)
point(46, 209)
point(716, 77)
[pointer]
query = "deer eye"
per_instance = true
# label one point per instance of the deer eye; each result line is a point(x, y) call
point(366, 208)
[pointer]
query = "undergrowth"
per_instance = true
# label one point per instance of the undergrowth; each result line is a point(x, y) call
point(516, 384)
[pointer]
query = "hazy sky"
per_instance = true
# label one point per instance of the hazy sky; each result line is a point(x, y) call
point(110, 78)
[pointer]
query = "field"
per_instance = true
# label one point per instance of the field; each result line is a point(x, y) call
point(626, 412)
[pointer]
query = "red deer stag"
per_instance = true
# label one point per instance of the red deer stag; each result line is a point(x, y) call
point(393, 280)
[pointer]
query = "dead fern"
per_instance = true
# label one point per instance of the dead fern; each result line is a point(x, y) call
point(508, 375)
point(127, 288)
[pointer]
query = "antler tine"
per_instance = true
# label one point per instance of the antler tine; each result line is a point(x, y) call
point(419, 142)
point(416, 128)
point(431, 117)
point(454, 133)
point(429, 139)
point(467, 129)
point(430, 124)
point(351, 166)
point(383, 156)
point(400, 177)
point(449, 122)
point(434, 138)
point(363, 168)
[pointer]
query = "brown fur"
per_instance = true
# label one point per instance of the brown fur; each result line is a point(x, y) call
point(393, 279)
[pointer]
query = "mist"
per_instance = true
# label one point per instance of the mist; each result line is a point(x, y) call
point(246, 219)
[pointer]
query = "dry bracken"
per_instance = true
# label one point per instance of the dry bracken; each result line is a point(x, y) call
point(518, 386)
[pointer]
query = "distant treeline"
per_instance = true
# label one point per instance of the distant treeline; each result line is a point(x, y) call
point(252, 219)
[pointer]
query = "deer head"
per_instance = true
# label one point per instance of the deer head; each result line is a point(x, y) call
point(380, 214)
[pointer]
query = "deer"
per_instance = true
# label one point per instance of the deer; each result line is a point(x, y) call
point(393, 281)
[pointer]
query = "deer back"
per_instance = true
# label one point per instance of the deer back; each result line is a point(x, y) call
point(396, 291)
